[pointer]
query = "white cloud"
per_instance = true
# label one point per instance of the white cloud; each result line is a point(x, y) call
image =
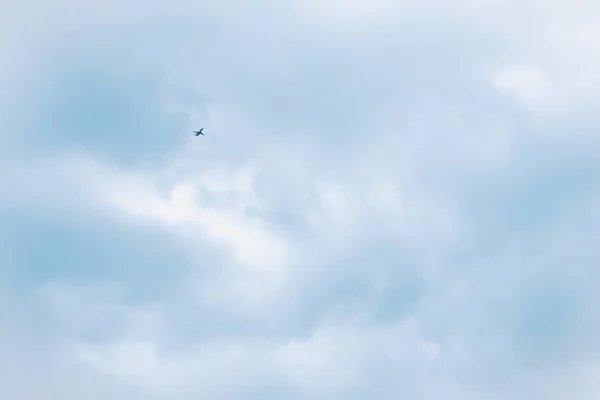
point(529, 86)
point(277, 212)
point(334, 360)
point(552, 60)
point(136, 361)
point(342, 13)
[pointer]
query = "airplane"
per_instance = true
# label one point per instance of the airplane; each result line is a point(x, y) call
point(199, 132)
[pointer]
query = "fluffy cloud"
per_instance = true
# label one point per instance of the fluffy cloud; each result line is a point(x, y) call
point(393, 199)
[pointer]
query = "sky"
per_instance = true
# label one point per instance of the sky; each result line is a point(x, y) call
point(393, 199)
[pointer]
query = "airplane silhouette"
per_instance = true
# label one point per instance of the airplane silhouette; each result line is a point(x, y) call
point(199, 132)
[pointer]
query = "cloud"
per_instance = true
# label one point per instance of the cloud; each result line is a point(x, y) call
point(321, 365)
point(529, 86)
point(392, 200)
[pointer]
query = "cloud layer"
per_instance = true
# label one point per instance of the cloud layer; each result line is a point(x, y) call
point(392, 200)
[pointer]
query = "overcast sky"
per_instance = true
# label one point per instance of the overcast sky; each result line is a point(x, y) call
point(393, 200)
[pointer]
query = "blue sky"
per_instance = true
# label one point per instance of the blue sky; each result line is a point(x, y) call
point(392, 200)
